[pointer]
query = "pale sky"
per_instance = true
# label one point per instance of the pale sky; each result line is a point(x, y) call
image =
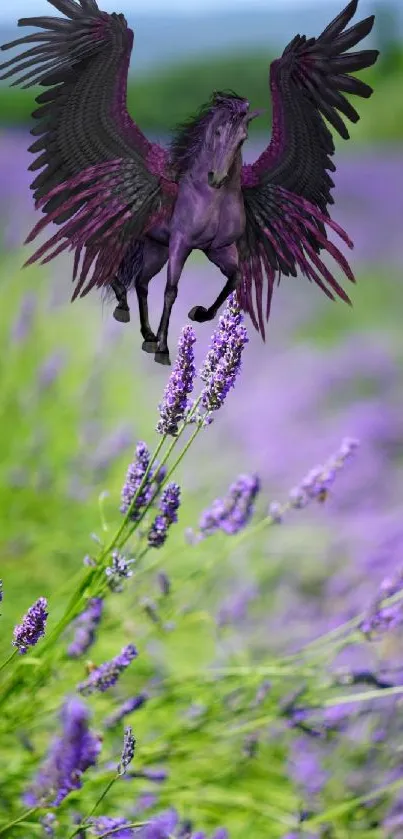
point(29, 8)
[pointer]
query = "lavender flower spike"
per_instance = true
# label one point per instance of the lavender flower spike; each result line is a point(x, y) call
point(232, 513)
point(132, 704)
point(223, 361)
point(118, 571)
point(103, 824)
point(169, 505)
point(379, 618)
point(162, 826)
point(86, 624)
point(318, 481)
point(27, 633)
point(69, 756)
point(134, 478)
point(129, 745)
point(107, 674)
point(175, 403)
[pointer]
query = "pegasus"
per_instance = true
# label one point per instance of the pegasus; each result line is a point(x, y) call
point(127, 206)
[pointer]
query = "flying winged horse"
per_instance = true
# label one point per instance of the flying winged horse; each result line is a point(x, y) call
point(126, 206)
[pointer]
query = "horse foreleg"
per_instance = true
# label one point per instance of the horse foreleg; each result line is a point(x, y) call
point(226, 260)
point(179, 251)
point(122, 311)
point(155, 256)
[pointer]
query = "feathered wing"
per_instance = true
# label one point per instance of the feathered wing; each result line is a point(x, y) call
point(102, 181)
point(287, 190)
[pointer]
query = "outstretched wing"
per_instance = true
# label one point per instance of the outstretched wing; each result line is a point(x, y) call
point(287, 190)
point(102, 180)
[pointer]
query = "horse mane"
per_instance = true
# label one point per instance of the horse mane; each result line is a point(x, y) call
point(188, 135)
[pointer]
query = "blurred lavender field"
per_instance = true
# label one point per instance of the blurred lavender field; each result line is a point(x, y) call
point(299, 395)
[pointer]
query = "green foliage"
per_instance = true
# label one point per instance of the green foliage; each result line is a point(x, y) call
point(159, 101)
point(45, 530)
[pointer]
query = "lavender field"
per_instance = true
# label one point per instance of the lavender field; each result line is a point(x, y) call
point(266, 696)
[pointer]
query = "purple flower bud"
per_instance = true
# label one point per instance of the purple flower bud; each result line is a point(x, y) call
point(48, 823)
point(162, 826)
point(50, 369)
point(169, 505)
point(86, 624)
point(23, 324)
point(317, 483)
point(222, 364)
point(175, 403)
point(118, 571)
point(129, 745)
point(158, 776)
point(134, 477)
point(32, 628)
point(70, 754)
point(383, 618)
point(261, 693)
point(275, 512)
point(232, 513)
point(132, 704)
point(107, 674)
point(103, 824)
point(164, 583)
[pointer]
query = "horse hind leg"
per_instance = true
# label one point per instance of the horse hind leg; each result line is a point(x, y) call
point(226, 260)
point(122, 311)
point(155, 256)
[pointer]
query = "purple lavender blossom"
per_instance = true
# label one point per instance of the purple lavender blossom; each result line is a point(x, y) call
point(382, 618)
point(158, 776)
point(261, 693)
point(318, 481)
point(27, 633)
point(1, 590)
point(118, 571)
point(48, 824)
point(162, 826)
point(134, 477)
point(222, 364)
point(103, 824)
point(103, 677)
point(86, 624)
point(50, 369)
point(69, 756)
point(168, 505)
point(175, 403)
point(129, 745)
point(127, 707)
point(23, 323)
point(220, 833)
point(316, 484)
point(232, 513)
point(305, 766)
point(163, 581)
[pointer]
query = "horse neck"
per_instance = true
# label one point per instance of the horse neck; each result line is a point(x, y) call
point(199, 169)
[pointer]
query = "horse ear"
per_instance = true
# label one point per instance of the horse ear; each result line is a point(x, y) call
point(253, 114)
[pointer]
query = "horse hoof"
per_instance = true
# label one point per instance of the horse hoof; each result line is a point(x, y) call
point(122, 315)
point(150, 346)
point(162, 357)
point(199, 314)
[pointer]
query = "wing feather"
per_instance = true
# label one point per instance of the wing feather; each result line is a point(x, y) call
point(287, 191)
point(100, 179)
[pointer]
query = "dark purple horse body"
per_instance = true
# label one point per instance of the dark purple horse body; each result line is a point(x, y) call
point(127, 206)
